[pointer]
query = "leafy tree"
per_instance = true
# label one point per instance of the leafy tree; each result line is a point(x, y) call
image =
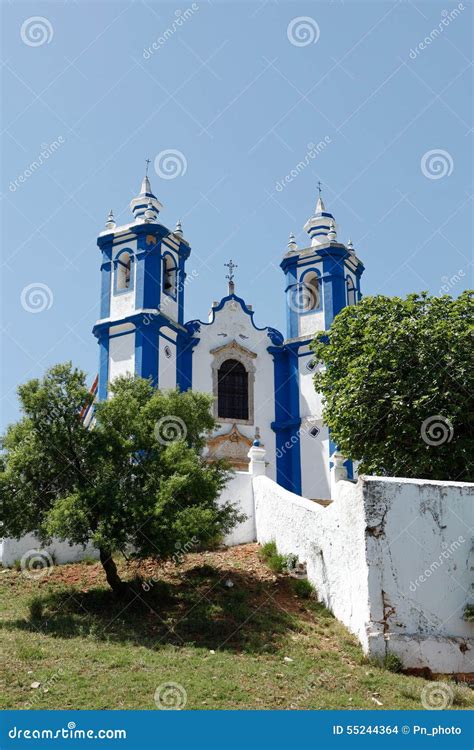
point(397, 385)
point(136, 481)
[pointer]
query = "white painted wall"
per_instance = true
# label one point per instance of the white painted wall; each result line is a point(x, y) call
point(167, 364)
point(239, 492)
point(121, 355)
point(229, 324)
point(392, 558)
point(14, 549)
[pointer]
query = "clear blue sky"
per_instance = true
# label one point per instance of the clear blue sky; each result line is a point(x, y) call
point(230, 91)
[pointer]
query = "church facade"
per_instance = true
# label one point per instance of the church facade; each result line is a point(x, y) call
point(261, 380)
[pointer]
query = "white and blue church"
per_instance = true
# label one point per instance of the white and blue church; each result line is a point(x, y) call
point(261, 380)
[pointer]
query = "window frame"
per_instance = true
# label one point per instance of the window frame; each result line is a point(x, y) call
point(314, 272)
point(234, 350)
point(119, 263)
point(174, 293)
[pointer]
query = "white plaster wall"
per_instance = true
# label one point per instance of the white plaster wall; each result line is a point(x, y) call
point(310, 323)
point(420, 558)
point(315, 479)
point(167, 366)
point(239, 492)
point(14, 549)
point(121, 355)
point(330, 540)
point(233, 323)
point(392, 558)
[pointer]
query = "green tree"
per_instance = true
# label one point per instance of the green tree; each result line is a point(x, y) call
point(136, 481)
point(397, 385)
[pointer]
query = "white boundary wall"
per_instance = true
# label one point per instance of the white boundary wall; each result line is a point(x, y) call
point(392, 558)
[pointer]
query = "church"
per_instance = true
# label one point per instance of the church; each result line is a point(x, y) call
point(261, 380)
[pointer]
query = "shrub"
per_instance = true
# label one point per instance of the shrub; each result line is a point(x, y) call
point(275, 561)
point(302, 588)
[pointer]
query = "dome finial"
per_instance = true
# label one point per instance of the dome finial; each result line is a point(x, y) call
point(150, 214)
point(332, 234)
point(110, 223)
point(140, 204)
point(292, 242)
point(350, 246)
point(179, 228)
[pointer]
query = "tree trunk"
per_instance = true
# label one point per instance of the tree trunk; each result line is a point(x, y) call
point(113, 578)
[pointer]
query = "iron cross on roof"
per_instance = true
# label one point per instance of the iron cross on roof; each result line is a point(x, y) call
point(230, 265)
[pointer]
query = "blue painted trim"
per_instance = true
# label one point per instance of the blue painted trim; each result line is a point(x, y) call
point(272, 333)
point(105, 287)
point(147, 353)
point(164, 336)
point(103, 368)
point(184, 361)
point(287, 417)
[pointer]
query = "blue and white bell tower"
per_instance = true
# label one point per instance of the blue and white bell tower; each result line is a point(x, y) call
point(320, 279)
point(142, 295)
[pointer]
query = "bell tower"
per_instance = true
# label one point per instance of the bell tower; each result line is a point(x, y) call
point(320, 279)
point(142, 295)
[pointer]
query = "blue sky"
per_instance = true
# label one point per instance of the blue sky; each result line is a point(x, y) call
point(239, 90)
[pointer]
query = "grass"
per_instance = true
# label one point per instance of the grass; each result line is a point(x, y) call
point(222, 625)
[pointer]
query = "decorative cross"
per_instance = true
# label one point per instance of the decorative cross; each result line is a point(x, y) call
point(319, 187)
point(147, 161)
point(230, 265)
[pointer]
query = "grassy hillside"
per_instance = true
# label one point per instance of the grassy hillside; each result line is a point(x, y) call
point(224, 628)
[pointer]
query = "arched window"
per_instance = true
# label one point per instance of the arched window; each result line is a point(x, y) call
point(169, 275)
point(123, 271)
point(351, 291)
point(310, 292)
point(232, 390)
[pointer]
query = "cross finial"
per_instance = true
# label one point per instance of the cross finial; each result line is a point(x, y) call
point(319, 187)
point(147, 162)
point(230, 276)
